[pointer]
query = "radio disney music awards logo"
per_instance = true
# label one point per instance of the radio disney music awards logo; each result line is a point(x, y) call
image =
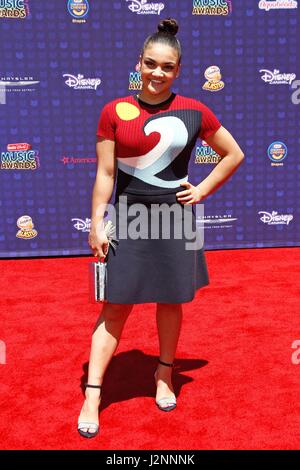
point(277, 4)
point(79, 10)
point(135, 80)
point(142, 7)
point(20, 157)
point(82, 225)
point(212, 7)
point(205, 154)
point(277, 78)
point(273, 218)
point(81, 83)
point(26, 230)
point(277, 152)
point(16, 9)
point(75, 161)
point(213, 77)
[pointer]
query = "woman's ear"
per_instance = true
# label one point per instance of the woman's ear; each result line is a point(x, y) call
point(178, 71)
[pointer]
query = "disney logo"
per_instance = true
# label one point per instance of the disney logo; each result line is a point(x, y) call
point(275, 218)
point(80, 82)
point(137, 6)
point(82, 225)
point(276, 77)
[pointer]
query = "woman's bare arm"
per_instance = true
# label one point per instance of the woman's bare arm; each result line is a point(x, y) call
point(232, 156)
point(226, 146)
point(102, 192)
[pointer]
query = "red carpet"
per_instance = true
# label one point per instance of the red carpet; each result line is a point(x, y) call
point(236, 384)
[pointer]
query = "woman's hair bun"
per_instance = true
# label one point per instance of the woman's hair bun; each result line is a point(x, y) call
point(169, 25)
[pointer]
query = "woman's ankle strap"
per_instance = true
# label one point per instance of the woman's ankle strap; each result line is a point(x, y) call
point(92, 386)
point(165, 363)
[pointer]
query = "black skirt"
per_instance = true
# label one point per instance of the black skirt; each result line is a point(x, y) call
point(160, 257)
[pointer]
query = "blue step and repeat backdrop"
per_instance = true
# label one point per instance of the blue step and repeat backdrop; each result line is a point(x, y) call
point(61, 61)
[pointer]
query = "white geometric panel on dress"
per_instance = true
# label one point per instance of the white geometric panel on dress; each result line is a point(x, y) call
point(173, 139)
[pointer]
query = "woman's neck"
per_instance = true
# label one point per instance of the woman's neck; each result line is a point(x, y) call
point(154, 99)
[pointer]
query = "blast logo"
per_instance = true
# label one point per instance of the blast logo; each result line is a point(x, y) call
point(26, 225)
point(213, 77)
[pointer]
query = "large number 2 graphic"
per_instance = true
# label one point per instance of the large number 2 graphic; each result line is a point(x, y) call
point(174, 137)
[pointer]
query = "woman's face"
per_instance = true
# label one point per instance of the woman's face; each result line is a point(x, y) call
point(158, 67)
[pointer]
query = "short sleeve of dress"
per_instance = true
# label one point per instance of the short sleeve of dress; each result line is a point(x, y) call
point(106, 126)
point(210, 123)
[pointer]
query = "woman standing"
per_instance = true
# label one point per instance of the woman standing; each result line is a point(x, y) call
point(146, 141)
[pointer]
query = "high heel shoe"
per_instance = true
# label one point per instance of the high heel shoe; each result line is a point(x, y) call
point(86, 424)
point(165, 403)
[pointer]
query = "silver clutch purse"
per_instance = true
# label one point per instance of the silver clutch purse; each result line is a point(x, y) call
point(97, 281)
point(98, 270)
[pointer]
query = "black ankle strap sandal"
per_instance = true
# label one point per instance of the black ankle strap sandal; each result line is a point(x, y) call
point(86, 428)
point(166, 403)
point(165, 363)
point(93, 386)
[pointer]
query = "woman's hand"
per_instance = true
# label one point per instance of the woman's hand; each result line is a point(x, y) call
point(99, 244)
point(191, 195)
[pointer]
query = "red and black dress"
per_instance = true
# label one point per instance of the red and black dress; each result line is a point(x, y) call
point(157, 259)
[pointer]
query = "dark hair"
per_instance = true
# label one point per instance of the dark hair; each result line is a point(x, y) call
point(166, 31)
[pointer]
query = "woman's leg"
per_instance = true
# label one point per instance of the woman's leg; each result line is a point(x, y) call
point(105, 339)
point(168, 319)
